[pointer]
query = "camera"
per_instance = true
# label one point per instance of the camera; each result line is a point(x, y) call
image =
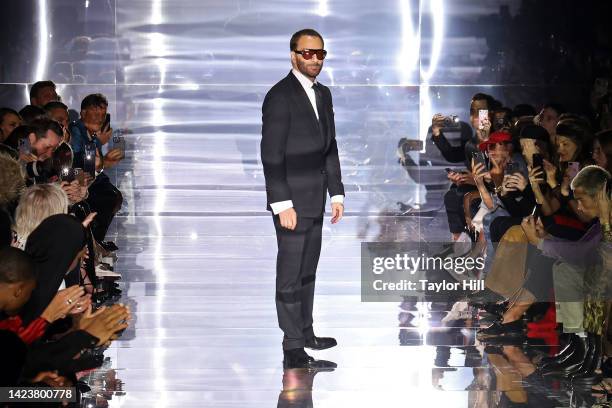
point(452, 121)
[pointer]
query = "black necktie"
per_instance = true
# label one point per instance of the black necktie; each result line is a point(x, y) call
point(320, 110)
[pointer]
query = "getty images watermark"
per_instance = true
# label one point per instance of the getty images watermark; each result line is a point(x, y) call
point(430, 271)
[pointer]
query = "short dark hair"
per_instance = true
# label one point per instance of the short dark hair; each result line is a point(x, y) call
point(8, 111)
point(296, 37)
point(38, 86)
point(16, 266)
point(491, 102)
point(96, 100)
point(41, 126)
point(591, 179)
point(55, 105)
point(29, 113)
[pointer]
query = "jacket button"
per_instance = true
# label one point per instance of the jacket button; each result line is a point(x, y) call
point(323, 171)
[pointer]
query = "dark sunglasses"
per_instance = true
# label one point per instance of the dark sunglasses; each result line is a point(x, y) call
point(307, 54)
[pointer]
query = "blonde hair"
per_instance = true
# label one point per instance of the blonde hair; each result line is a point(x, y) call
point(36, 204)
point(12, 180)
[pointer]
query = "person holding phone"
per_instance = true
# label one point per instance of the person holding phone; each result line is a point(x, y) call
point(300, 160)
point(90, 131)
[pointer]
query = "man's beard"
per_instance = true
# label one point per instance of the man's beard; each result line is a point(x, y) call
point(307, 69)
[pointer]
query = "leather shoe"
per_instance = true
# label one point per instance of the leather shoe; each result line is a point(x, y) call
point(571, 363)
point(320, 343)
point(297, 358)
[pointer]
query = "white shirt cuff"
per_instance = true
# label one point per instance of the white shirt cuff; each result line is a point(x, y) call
point(338, 199)
point(281, 206)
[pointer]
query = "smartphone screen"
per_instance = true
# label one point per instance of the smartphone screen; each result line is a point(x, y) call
point(482, 115)
point(67, 174)
point(479, 158)
point(538, 161)
point(106, 124)
point(89, 161)
point(511, 168)
point(79, 175)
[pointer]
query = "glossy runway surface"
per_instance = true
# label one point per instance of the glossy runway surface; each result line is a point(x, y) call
point(187, 78)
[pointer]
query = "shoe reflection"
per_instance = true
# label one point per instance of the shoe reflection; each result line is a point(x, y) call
point(297, 387)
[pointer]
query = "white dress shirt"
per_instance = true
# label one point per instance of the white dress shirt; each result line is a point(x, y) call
point(307, 84)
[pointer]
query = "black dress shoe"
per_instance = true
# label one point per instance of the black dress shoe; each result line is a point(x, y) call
point(320, 343)
point(500, 332)
point(571, 364)
point(563, 355)
point(586, 375)
point(297, 358)
point(570, 344)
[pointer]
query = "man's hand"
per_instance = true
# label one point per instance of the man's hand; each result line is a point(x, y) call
point(113, 157)
point(337, 212)
point(437, 123)
point(74, 191)
point(27, 157)
point(531, 230)
point(288, 219)
point(105, 135)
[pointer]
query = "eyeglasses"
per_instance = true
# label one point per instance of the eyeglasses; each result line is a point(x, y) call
point(307, 54)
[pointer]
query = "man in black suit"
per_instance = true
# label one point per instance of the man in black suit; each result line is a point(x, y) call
point(300, 160)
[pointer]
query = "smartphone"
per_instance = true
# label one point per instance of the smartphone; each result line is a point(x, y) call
point(67, 174)
point(511, 168)
point(119, 142)
point(538, 161)
point(573, 168)
point(537, 212)
point(89, 161)
point(24, 146)
point(482, 115)
point(106, 124)
point(479, 157)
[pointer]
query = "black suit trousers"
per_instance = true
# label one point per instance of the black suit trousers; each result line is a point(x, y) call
point(296, 266)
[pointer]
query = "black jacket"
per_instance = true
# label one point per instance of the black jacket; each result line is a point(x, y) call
point(300, 161)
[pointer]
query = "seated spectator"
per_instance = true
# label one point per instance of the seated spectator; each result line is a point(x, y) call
point(104, 198)
point(44, 137)
point(24, 364)
point(518, 286)
point(516, 193)
point(463, 183)
point(548, 119)
point(43, 92)
point(37, 203)
point(30, 113)
point(9, 120)
point(59, 112)
point(56, 246)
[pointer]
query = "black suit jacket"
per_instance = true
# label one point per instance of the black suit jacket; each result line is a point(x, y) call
point(300, 161)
